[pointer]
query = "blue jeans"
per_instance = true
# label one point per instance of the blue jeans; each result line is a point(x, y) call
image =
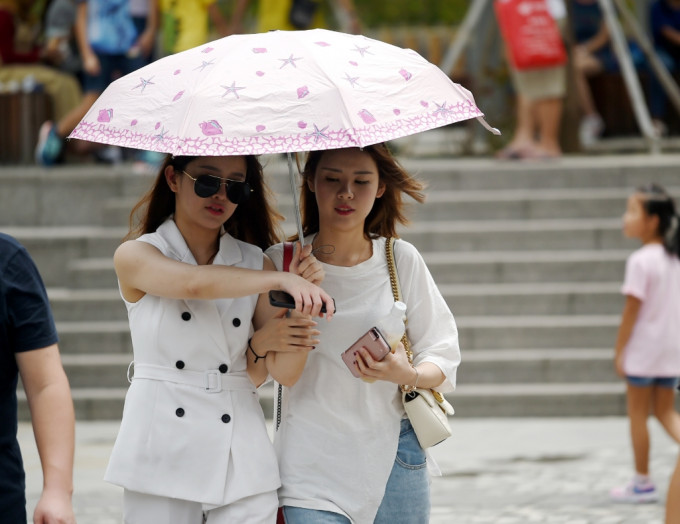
point(407, 495)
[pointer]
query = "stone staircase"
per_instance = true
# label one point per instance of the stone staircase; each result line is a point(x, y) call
point(529, 257)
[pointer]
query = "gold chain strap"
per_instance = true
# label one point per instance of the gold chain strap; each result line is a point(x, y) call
point(396, 292)
point(392, 268)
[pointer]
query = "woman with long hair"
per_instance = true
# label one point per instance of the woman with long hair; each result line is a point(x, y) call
point(192, 443)
point(347, 452)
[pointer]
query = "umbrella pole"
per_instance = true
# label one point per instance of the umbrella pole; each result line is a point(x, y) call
point(292, 175)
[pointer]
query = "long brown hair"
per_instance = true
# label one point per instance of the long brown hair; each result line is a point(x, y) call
point(387, 210)
point(254, 221)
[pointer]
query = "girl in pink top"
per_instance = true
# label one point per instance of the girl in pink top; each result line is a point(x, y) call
point(648, 342)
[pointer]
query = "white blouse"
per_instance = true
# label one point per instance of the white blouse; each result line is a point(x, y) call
point(338, 436)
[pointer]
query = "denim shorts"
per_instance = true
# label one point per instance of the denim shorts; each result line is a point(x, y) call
point(660, 382)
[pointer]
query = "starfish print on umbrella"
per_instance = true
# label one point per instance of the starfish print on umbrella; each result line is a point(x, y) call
point(363, 51)
point(204, 64)
point(319, 134)
point(353, 80)
point(290, 60)
point(233, 89)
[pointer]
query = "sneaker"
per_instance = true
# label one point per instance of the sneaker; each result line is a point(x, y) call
point(49, 145)
point(590, 129)
point(634, 493)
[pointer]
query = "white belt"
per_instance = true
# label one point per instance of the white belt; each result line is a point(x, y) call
point(212, 380)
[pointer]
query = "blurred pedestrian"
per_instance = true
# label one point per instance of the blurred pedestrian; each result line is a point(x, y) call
point(288, 15)
point(28, 347)
point(648, 342)
point(664, 16)
point(112, 43)
point(593, 54)
point(186, 24)
point(540, 93)
point(22, 59)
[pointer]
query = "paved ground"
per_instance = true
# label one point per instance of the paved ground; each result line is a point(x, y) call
point(501, 471)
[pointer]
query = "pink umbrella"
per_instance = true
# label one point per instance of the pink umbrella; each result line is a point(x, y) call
point(277, 92)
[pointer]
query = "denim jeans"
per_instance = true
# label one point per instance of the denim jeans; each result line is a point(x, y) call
point(407, 495)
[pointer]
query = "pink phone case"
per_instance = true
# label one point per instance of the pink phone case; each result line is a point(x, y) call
point(373, 341)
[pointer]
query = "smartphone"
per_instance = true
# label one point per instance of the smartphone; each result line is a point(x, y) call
point(282, 299)
point(374, 342)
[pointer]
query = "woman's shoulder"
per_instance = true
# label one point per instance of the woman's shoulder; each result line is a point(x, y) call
point(404, 250)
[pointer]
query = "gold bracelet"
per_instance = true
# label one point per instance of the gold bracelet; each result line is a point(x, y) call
point(406, 388)
point(257, 357)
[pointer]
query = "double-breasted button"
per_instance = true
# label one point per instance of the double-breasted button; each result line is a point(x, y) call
point(223, 368)
point(226, 418)
point(179, 412)
point(186, 316)
point(179, 364)
point(236, 322)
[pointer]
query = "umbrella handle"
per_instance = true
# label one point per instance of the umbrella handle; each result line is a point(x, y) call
point(292, 175)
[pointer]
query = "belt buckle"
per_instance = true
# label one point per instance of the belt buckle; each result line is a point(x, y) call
point(213, 381)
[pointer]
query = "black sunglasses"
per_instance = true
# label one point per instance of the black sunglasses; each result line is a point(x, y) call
point(207, 185)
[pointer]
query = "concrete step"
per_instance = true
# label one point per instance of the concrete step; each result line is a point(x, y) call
point(526, 266)
point(543, 365)
point(569, 172)
point(568, 298)
point(538, 400)
point(54, 248)
point(86, 304)
point(35, 196)
point(90, 370)
point(534, 332)
point(92, 273)
point(94, 337)
point(513, 235)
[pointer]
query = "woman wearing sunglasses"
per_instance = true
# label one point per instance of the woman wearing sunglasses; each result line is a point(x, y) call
point(192, 442)
point(346, 451)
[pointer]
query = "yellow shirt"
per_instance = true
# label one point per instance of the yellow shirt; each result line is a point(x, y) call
point(273, 14)
point(184, 24)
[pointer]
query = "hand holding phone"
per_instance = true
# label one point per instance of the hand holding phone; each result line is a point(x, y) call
point(374, 342)
point(279, 298)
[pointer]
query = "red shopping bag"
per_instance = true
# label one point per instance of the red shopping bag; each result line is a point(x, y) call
point(530, 33)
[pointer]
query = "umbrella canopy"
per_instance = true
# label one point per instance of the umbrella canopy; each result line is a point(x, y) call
point(276, 92)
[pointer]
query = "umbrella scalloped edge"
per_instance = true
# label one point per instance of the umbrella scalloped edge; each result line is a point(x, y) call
point(258, 144)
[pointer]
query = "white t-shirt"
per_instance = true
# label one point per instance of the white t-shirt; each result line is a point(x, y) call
point(338, 436)
point(653, 276)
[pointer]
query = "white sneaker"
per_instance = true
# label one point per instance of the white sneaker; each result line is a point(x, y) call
point(590, 129)
point(635, 494)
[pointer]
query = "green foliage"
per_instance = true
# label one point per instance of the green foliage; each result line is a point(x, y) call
point(379, 13)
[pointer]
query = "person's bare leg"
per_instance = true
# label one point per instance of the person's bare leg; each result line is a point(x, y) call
point(638, 400)
point(663, 401)
point(525, 129)
point(585, 65)
point(549, 117)
point(673, 497)
point(71, 119)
